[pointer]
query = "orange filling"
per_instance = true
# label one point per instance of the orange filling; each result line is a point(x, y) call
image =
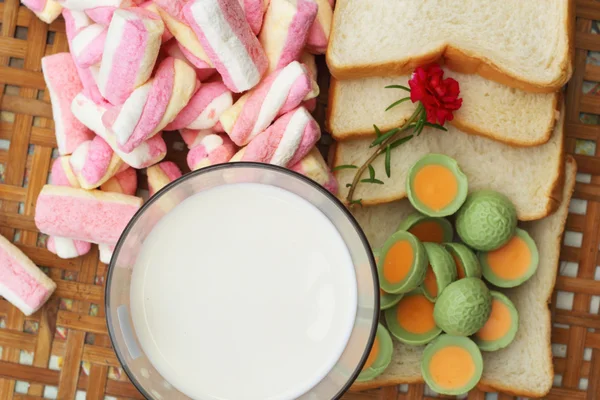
point(435, 186)
point(511, 261)
point(460, 269)
point(415, 314)
point(431, 282)
point(452, 367)
point(499, 323)
point(398, 261)
point(428, 231)
point(372, 355)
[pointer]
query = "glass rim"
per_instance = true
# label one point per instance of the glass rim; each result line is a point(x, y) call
point(243, 165)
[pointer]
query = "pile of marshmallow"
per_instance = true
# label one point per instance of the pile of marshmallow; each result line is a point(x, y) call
point(237, 78)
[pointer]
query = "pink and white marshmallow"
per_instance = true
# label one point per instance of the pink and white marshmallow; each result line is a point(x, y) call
point(160, 175)
point(90, 114)
point(223, 31)
point(124, 182)
point(254, 10)
point(285, 30)
point(103, 14)
point(318, 36)
point(287, 141)
point(88, 215)
point(46, 10)
point(171, 12)
point(208, 148)
point(94, 162)
point(314, 167)
point(152, 106)
point(204, 108)
point(22, 283)
point(132, 44)
point(63, 84)
point(152, 7)
point(106, 252)
point(86, 5)
point(174, 49)
point(278, 93)
point(61, 173)
point(88, 45)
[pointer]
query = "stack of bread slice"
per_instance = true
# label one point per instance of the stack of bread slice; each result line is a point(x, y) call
point(511, 59)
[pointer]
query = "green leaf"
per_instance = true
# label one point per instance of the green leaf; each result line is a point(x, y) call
point(398, 87)
point(373, 180)
point(371, 172)
point(357, 201)
point(388, 161)
point(348, 185)
point(377, 131)
point(394, 104)
point(436, 126)
point(384, 137)
point(400, 141)
point(344, 167)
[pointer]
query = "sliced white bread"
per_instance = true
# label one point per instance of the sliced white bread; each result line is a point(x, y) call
point(530, 176)
point(525, 367)
point(489, 109)
point(523, 44)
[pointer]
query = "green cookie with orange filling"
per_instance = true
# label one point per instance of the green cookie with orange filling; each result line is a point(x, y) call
point(427, 229)
point(411, 320)
point(379, 357)
point(386, 300)
point(513, 263)
point(467, 263)
point(501, 327)
point(436, 186)
point(441, 270)
point(402, 263)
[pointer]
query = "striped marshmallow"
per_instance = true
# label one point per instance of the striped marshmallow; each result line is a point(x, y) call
point(152, 7)
point(63, 85)
point(314, 167)
point(124, 182)
point(160, 175)
point(94, 162)
point(152, 106)
point(174, 49)
point(106, 252)
point(287, 141)
point(132, 44)
point(85, 5)
point(46, 10)
point(90, 114)
point(207, 148)
point(204, 109)
point(318, 35)
point(62, 174)
point(171, 12)
point(278, 93)
point(88, 45)
point(224, 33)
point(285, 30)
point(254, 10)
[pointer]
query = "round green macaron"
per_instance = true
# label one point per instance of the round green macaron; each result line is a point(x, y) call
point(467, 263)
point(402, 263)
point(379, 357)
point(441, 270)
point(501, 327)
point(428, 229)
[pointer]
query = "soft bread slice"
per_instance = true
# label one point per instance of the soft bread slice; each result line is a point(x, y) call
point(525, 367)
point(530, 176)
point(523, 44)
point(489, 109)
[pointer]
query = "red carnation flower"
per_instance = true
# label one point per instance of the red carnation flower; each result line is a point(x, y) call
point(439, 96)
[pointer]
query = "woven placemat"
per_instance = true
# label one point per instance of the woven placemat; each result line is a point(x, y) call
point(63, 351)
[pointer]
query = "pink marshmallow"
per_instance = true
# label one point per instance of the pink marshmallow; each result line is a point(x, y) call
point(124, 182)
point(318, 36)
point(133, 41)
point(106, 253)
point(103, 14)
point(226, 37)
point(90, 114)
point(151, 107)
point(209, 149)
point(204, 109)
point(314, 167)
point(151, 6)
point(88, 45)
point(46, 10)
point(285, 30)
point(24, 285)
point(254, 10)
point(176, 50)
point(62, 174)
point(160, 175)
point(310, 105)
point(89, 215)
point(67, 248)
point(287, 141)
point(85, 5)
point(171, 12)
point(278, 93)
point(63, 85)
point(94, 162)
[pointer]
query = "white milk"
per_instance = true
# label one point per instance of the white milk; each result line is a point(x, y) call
point(246, 292)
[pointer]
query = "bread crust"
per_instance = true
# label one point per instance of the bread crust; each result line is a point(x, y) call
point(461, 61)
point(457, 122)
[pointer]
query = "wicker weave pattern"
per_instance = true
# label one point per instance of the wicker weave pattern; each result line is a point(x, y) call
point(63, 351)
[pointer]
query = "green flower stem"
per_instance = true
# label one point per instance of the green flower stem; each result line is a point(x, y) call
point(382, 148)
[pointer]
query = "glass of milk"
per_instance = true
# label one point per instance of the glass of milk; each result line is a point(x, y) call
point(242, 281)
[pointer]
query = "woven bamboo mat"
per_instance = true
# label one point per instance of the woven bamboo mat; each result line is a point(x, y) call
point(64, 352)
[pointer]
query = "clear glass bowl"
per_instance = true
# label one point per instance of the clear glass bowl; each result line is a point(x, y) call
point(120, 326)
